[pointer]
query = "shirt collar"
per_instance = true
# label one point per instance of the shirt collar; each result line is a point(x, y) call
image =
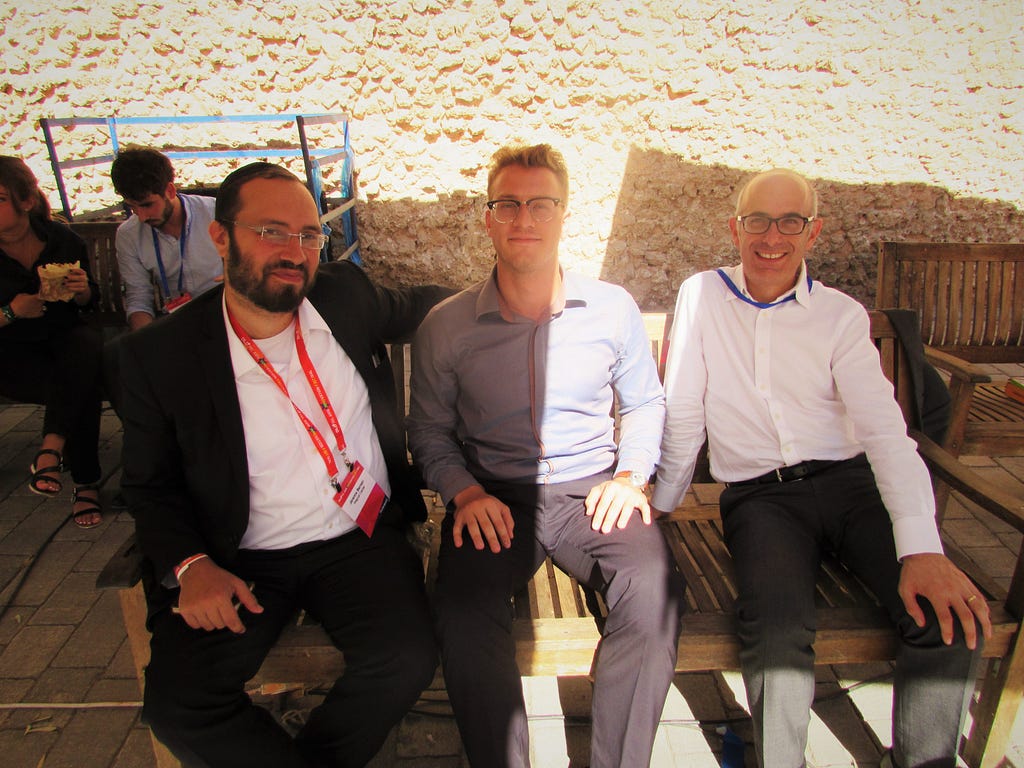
point(801, 290)
point(489, 302)
point(241, 361)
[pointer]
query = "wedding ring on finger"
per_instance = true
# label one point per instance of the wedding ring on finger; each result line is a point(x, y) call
point(972, 597)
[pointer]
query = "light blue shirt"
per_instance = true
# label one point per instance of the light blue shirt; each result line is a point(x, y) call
point(136, 257)
point(500, 397)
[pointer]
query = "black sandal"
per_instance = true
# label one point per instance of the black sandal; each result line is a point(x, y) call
point(45, 474)
point(93, 508)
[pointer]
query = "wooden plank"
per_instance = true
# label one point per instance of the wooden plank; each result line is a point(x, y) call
point(699, 597)
point(937, 324)
point(99, 241)
point(1016, 305)
point(565, 646)
point(570, 596)
point(968, 310)
point(995, 714)
point(719, 569)
point(888, 260)
point(555, 646)
point(930, 294)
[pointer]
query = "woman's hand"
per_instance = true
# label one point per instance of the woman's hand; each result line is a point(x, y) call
point(78, 281)
point(28, 305)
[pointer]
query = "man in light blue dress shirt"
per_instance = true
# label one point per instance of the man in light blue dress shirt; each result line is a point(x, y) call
point(513, 387)
point(165, 243)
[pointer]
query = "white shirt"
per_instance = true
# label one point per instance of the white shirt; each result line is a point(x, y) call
point(776, 386)
point(291, 500)
point(137, 263)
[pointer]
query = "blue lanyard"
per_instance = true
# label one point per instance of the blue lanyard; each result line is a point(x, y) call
point(185, 224)
point(759, 304)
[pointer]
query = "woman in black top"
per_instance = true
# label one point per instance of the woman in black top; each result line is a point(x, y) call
point(48, 355)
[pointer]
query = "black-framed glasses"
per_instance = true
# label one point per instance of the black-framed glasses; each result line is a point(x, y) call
point(308, 241)
point(758, 224)
point(542, 209)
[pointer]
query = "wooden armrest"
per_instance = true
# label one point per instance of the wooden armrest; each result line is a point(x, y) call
point(955, 366)
point(989, 496)
point(124, 569)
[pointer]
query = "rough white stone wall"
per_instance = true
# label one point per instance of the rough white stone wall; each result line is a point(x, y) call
point(906, 113)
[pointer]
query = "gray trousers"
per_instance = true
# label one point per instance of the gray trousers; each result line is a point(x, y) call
point(633, 570)
point(776, 534)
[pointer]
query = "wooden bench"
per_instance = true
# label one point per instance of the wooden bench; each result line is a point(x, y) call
point(557, 625)
point(970, 300)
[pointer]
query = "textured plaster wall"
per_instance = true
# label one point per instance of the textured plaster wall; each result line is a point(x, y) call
point(907, 114)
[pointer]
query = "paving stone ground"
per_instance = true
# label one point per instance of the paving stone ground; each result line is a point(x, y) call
point(62, 642)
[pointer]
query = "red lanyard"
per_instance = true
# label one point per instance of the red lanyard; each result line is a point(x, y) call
point(318, 390)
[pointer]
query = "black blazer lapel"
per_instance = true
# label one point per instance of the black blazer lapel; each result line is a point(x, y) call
point(218, 382)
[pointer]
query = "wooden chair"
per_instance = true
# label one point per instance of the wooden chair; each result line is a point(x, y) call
point(970, 299)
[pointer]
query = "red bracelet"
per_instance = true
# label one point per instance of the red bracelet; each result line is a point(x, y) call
point(184, 565)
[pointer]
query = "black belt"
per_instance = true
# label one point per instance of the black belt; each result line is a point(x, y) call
point(790, 473)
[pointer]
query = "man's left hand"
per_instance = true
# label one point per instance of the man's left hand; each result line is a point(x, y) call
point(612, 502)
point(947, 588)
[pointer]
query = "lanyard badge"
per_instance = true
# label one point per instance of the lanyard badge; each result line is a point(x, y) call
point(360, 496)
point(178, 302)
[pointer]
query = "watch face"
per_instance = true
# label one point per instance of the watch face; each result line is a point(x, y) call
point(637, 479)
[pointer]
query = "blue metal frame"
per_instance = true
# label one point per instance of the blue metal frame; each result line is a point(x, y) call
point(312, 159)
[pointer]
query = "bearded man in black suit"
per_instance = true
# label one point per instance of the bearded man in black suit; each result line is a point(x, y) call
point(265, 465)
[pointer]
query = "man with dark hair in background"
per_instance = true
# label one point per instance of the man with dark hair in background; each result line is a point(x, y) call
point(165, 242)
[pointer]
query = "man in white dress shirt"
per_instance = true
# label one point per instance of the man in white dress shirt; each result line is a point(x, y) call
point(779, 373)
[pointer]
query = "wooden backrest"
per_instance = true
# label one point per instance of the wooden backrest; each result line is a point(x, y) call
point(895, 362)
point(969, 296)
point(99, 240)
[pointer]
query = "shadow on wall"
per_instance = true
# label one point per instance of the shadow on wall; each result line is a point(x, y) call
point(405, 242)
point(671, 221)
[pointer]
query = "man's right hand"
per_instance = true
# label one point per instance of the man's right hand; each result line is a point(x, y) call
point(484, 518)
point(205, 600)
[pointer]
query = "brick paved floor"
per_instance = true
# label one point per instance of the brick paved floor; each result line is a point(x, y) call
point(62, 641)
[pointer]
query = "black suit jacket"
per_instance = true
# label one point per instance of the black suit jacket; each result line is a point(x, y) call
point(186, 476)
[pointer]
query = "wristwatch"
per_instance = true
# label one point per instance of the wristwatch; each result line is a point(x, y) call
point(8, 313)
point(636, 479)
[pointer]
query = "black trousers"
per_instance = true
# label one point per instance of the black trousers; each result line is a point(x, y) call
point(776, 534)
point(63, 374)
point(369, 596)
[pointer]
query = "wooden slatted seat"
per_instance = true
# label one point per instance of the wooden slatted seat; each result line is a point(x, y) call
point(970, 300)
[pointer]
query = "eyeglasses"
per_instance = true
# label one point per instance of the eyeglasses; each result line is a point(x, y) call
point(758, 224)
point(308, 241)
point(542, 209)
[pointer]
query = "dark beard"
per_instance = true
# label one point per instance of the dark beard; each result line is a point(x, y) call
point(164, 217)
point(245, 282)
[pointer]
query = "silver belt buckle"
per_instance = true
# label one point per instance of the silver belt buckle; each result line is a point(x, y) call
point(778, 474)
